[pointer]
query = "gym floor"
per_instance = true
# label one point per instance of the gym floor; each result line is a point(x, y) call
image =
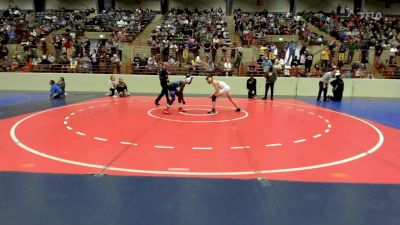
point(91, 159)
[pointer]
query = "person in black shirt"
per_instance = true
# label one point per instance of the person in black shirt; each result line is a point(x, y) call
point(251, 87)
point(308, 63)
point(136, 61)
point(163, 76)
point(179, 53)
point(337, 88)
point(207, 48)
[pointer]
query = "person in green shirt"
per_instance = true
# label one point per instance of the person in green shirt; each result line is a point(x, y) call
point(353, 46)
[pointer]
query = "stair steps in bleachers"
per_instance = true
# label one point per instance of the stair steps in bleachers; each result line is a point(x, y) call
point(139, 45)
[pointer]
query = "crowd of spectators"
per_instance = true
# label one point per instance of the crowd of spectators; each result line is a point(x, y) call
point(29, 29)
point(72, 55)
point(348, 27)
point(20, 25)
point(191, 38)
point(190, 29)
point(128, 23)
point(254, 27)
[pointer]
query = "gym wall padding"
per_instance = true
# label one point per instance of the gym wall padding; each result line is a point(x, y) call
point(149, 84)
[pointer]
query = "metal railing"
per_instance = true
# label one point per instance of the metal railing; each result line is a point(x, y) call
point(257, 71)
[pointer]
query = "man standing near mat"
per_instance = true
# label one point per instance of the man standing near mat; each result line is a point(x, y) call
point(163, 76)
point(221, 89)
point(270, 78)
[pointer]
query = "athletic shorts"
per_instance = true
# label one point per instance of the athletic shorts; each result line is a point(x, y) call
point(225, 90)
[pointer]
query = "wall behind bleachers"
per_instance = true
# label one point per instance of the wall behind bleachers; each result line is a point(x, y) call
point(149, 84)
point(22, 4)
point(377, 5)
point(203, 4)
point(324, 5)
point(70, 4)
point(130, 4)
point(270, 5)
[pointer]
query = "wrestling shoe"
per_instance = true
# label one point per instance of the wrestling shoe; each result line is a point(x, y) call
point(238, 110)
point(180, 109)
point(212, 111)
point(165, 111)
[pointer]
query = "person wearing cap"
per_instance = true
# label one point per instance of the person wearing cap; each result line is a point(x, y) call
point(323, 83)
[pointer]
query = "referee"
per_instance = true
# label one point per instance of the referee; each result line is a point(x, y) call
point(163, 76)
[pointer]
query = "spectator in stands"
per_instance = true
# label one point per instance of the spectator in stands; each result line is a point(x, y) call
point(6, 64)
point(136, 61)
point(58, 45)
point(171, 61)
point(291, 48)
point(332, 46)
point(116, 63)
point(393, 52)
point(3, 51)
point(308, 63)
point(295, 62)
point(45, 61)
point(227, 68)
point(209, 65)
point(207, 48)
point(73, 65)
point(325, 57)
point(266, 64)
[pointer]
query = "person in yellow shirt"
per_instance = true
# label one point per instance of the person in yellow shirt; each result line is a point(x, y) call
point(262, 50)
point(325, 57)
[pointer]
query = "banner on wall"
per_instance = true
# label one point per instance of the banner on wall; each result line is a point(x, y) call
point(372, 15)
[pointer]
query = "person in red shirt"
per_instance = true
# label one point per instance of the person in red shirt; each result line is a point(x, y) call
point(68, 47)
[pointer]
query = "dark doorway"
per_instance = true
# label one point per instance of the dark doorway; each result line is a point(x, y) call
point(38, 5)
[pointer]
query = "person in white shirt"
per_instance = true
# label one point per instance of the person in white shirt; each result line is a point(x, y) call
point(171, 61)
point(228, 68)
point(323, 83)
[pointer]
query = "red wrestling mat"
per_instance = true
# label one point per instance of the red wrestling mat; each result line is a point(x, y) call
point(284, 139)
